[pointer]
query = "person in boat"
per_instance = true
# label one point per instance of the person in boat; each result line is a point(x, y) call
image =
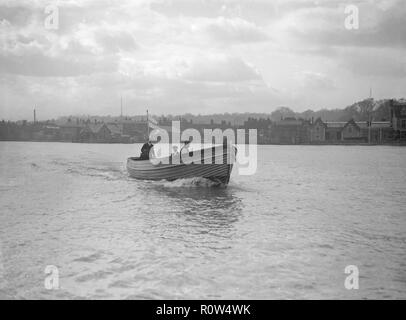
point(145, 150)
point(175, 150)
point(226, 143)
point(186, 146)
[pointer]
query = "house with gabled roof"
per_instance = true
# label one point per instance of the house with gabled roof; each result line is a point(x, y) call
point(334, 131)
point(117, 133)
point(70, 131)
point(343, 131)
point(95, 132)
point(318, 131)
point(352, 132)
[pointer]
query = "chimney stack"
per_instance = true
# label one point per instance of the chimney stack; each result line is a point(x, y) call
point(121, 109)
point(35, 117)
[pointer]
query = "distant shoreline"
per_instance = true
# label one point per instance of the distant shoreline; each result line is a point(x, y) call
point(393, 144)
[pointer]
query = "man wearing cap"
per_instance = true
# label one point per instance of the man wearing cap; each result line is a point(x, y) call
point(146, 148)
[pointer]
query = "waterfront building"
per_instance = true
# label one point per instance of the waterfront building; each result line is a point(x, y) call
point(290, 131)
point(376, 131)
point(318, 131)
point(95, 132)
point(263, 127)
point(351, 132)
point(398, 118)
point(70, 132)
point(334, 131)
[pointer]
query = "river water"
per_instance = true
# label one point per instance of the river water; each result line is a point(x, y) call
point(287, 232)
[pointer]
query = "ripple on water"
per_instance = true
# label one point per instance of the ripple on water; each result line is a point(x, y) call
point(286, 232)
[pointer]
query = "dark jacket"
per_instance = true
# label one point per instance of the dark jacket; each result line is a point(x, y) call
point(145, 151)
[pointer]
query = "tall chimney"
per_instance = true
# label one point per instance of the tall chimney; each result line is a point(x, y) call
point(121, 105)
point(35, 117)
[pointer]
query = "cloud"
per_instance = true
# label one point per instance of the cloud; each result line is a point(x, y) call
point(116, 41)
point(221, 69)
point(18, 15)
point(235, 30)
point(375, 62)
point(45, 66)
point(258, 11)
point(380, 24)
point(197, 55)
point(41, 53)
point(315, 80)
point(99, 93)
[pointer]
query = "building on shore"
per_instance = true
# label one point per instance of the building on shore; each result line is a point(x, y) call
point(263, 127)
point(376, 131)
point(318, 131)
point(334, 131)
point(287, 130)
point(351, 132)
point(398, 119)
point(95, 133)
point(290, 131)
point(100, 132)
point(70, 131)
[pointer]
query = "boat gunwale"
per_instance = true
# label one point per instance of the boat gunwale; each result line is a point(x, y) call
point(148, 165)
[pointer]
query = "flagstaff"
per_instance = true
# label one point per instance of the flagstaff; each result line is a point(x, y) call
point(147, 125)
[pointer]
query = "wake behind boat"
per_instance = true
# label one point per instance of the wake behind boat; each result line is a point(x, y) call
point(214, 163)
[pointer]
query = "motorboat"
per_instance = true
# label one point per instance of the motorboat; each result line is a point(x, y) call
point(214, 163)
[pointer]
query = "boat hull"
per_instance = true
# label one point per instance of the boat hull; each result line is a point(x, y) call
point(217, 167)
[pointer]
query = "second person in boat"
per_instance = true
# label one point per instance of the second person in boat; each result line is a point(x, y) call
point(145, 150)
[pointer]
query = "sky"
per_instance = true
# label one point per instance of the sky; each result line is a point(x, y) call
point(197, 56)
